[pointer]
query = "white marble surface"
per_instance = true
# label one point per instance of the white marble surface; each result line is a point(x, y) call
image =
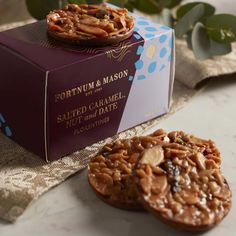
point(73, 209)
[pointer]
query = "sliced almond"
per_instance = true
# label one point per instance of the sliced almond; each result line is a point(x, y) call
point(210, 164)
point(207, 173)
point(189, 197)
point(153, 156)
point(159, 184)
point(219, 178)
point(200, 160)
point(140, 173)
point(92, 30)
point(145, 184)
point(157, 170)
point(214, 188)
point(90, 21)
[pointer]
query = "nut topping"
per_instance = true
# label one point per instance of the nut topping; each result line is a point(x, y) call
point(176, 176)
point(199, 160)
point(81, 23)
point(110, 172)
point(159, 184)
point(153, 156)
point(188, 189)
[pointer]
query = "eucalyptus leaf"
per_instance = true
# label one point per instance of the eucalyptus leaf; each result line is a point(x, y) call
point(203, 47)
point(165, 3)
point(148, 6)
point(188, 21)
point(119, 3)
point(94, 1)
point(218, 49)
point(129, 6)
point(170, 3)
point(40, 8)
point(201, 42)
point(166, 17)
point(77, 1)
point(182, 10)
point(222, 28)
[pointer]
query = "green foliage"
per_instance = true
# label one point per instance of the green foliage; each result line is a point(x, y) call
point(148, 6)
point(208, 9)
point(77, 1)
point(206, 34)
point(119, 3)
point(170, 3)
point(188, 21)
point(40, 8)
point(222, 28)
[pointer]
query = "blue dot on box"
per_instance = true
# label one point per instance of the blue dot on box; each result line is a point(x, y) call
point(152, 67)
point(136, 29)
point(165, 27)
point(170, 58)
point(131, 78)
point(139, 65)
point(2, 118)
point(162, 67)
point(141, 77)
point(140, 50)
point(151, 29)
point(163, 38)
point(8, 131)
point(149, 36)
point(137, 36)
point(143, 22)
point(163, 52)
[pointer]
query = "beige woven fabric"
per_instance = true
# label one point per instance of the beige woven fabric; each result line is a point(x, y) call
point(191, 72)
point(24, 177)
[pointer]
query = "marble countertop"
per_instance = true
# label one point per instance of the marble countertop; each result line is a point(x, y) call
point(73, 209)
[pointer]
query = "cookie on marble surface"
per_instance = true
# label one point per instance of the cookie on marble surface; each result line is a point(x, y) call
point(110, 173)
point(177, 185)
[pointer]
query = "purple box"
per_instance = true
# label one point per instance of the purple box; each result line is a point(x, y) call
point(56, 99)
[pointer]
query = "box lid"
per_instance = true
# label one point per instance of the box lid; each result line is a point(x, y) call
point(32, 43)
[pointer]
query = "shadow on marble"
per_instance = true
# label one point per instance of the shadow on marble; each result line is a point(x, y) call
point(218, 82)
point(107, 220)
point(3, 222)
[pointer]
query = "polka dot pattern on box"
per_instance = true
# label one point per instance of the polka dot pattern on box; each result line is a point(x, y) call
point(4, 127)
point(148, 29)
point(155, 55)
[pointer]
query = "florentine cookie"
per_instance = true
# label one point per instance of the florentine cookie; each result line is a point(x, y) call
point(178, 185)
point(195, 144)
point(90, 25)
point(110, 172)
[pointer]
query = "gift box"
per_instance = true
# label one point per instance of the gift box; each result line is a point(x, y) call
point(58, 98)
